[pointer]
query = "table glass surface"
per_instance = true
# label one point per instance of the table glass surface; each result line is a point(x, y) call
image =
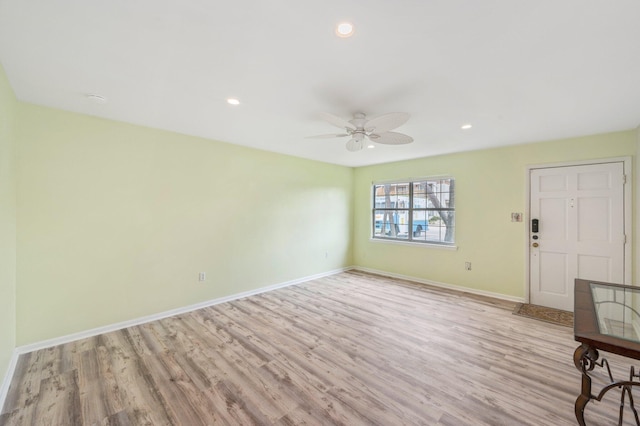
point(617, 310)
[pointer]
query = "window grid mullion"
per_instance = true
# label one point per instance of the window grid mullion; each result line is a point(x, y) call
point(410, 230)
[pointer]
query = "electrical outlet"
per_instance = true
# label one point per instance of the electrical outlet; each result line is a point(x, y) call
point(202, 276)
point(467, 266)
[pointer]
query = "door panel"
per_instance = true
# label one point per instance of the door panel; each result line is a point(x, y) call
point(581, 230)
point(555, 230)
point(553, 279)
point(594, 180)
point(597, 268)
point(553, 182)
point(594, 210)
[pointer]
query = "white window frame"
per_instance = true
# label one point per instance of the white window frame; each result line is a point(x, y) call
point(413, 237)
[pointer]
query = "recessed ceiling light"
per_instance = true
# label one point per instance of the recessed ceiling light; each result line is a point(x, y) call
point(466, 126)
point(233, 101)
point(371, 146)
point(96, 98)
point(344, 29)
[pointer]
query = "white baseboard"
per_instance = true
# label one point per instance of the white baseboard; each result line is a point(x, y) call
point(137, 321)
point(442, 285)
point(6, 382)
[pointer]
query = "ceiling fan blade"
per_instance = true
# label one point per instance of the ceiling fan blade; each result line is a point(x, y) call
point(385, 122)
point(391, 138)
point(327, 136)
point(354, 145)
point(336, 121)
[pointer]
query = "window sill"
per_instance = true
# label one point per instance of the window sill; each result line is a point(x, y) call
point(412, 244)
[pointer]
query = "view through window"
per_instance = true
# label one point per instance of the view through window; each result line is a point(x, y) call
point(420, 211)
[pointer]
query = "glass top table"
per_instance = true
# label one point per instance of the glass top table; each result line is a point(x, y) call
point(606, 318)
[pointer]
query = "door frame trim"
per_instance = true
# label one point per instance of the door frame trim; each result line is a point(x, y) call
point(628, 212)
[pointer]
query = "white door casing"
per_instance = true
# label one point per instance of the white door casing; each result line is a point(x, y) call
point(581, 213)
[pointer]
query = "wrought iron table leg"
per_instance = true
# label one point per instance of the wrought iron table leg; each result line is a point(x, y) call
point(621, 415)
point(581, 402)
point(631, 404)
point(584, 359)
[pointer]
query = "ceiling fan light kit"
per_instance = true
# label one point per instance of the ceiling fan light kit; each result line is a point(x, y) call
point(377, 130)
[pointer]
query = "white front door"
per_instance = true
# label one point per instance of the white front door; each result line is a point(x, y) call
point(580, 213)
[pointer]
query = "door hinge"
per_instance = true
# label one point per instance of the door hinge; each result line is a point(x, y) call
point(624, 179)
point(624, 239)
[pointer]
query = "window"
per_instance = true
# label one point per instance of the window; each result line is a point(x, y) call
point(421, 211)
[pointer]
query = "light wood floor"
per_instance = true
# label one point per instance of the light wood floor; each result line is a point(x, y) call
point(351, 349)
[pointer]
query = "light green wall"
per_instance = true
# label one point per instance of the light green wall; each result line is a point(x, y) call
point(490, 184)
point(116, 221)
point(7, 225)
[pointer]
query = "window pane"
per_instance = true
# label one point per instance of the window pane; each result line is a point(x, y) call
point(419, 195)
point(402, 189)
point(394, 195)
point(379, 223)
point(402, 217)
point(391, 223)
point(445, 189)
point(378, 191)
point(441, 227)
point(420, 225)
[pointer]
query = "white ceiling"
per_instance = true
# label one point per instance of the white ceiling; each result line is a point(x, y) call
point(519, 71)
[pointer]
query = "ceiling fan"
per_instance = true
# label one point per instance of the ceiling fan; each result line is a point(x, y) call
point(376, 130)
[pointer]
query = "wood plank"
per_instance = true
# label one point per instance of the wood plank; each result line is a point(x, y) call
point(24, 390)
point(136, 387)
point(59, 400)
point(92, 397)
